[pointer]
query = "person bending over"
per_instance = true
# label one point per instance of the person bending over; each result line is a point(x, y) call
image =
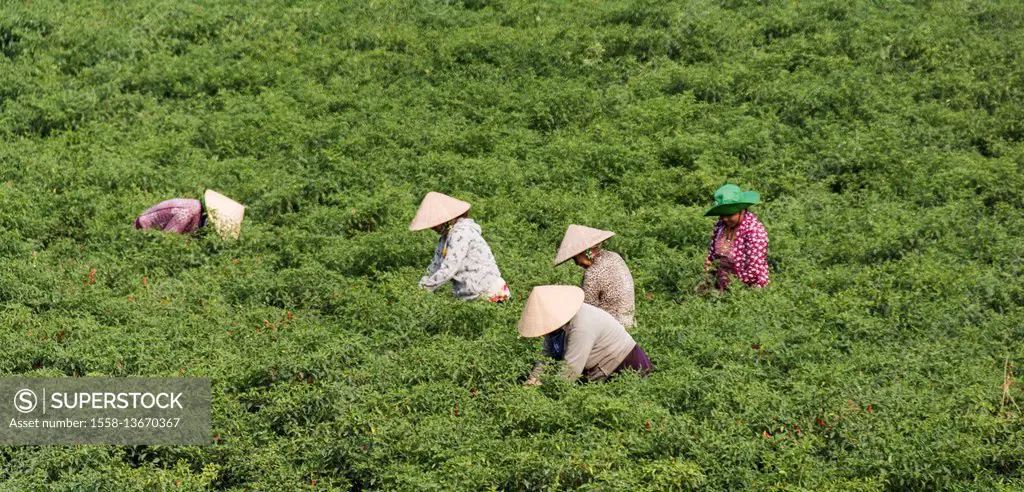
point(592, 342)
point(739, 242)
point(607, 283)
point(188, 215)
point(461, 256)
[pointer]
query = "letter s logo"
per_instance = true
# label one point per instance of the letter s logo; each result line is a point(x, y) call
point(25, 401)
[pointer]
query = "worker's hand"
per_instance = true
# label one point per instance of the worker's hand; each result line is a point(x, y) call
point(423, 283)
point(705, 287)
point(532, 381)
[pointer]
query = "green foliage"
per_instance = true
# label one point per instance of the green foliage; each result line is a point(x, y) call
point(885, 138)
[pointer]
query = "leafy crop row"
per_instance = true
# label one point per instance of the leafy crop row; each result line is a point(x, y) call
point(886, 138)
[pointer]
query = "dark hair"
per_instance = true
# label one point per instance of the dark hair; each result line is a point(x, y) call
point(465, 215)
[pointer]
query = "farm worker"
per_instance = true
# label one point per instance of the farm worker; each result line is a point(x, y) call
point(739, 242)
point(461, 255)
point(590, 341)
point(186, 215)
point(607, 282)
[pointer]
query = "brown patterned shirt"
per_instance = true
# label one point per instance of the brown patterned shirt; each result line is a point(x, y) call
point(608, 285)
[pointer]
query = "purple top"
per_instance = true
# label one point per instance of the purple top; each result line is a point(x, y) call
point(181, 215)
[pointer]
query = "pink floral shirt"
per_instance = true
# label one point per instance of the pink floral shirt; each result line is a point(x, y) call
point(746, 256)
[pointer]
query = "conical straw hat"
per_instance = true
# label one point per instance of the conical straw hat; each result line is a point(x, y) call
point(548, 308)
point(577, 239)
point(225, 214)
point(436, 209)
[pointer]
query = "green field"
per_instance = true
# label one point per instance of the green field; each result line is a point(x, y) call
point(886, 139)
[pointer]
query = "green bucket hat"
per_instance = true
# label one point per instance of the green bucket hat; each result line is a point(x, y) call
point(729, 200)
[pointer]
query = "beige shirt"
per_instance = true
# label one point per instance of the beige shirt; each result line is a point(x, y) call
point(596, 344)
point(608, 285)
